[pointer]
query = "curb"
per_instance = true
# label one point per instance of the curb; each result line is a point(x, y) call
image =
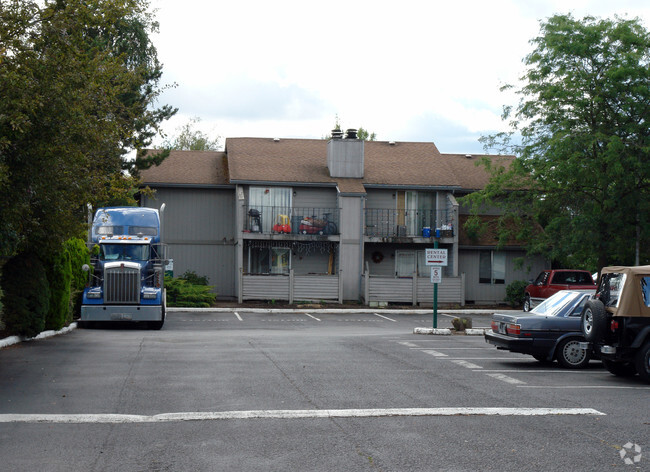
point(448, 332)
point(332, 310)
point(11, 340)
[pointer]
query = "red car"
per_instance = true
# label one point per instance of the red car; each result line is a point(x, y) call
point(549, 282)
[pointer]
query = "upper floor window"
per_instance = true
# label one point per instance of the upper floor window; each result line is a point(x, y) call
point(269, 201)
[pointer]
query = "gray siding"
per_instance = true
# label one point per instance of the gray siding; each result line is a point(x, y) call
point(199, 227)
point(315, 197)
point(314, 287)
point(404, 290)
point(279, 287)
point(265, 287)
point(486, 293)
point(381, 199)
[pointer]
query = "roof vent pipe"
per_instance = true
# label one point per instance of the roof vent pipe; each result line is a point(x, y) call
point(351, 133)
point(468, 156)
point(337, 134)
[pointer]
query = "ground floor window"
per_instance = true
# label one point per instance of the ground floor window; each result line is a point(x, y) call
point(409, 262)
point(492, 267)
point(275, 260)
point(313, 257)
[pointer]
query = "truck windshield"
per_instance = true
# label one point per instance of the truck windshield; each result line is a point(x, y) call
point(124, 252)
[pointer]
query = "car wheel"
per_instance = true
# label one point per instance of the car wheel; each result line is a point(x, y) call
point(643, 362)
point(594, 320)
point(570, 355)
point(527, 306)
point(620, 369)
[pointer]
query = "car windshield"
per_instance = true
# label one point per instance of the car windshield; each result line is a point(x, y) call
point(124, 252)
point(552, 306)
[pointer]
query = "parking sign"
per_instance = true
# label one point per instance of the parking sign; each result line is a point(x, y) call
point(436, 274)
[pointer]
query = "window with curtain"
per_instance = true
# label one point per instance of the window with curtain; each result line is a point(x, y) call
point(270, 202)
point(492, 267)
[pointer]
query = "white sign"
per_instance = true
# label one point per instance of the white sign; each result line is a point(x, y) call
point(436, 275)
point(436, 257)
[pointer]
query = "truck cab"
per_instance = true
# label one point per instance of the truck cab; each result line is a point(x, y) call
point(126, 275)
point(549, 282)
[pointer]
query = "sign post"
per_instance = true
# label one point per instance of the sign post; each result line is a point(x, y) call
point(436, 258)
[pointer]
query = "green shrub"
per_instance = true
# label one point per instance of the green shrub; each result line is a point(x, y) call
point(515, 293)
point(59, 275)
point(182, 293)
point(79, 255)
point(26, 295)
point(193, 278)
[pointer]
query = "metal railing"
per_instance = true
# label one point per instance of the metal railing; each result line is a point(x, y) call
point(295, 220)
point(386, 223)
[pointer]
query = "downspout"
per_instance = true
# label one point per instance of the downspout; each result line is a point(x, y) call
point(362, 224)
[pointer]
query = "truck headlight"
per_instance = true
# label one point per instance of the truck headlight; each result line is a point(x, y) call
point(149, 294)
point(94, 294)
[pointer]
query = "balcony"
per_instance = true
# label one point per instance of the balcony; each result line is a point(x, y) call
point(286, 220)
point(385, 223)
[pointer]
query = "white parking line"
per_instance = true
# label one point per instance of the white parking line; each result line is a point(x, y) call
point(505, 378)
point(434, 353)
point(491, 359)
point(289, 414)
point(238, 317)
point(469, 365)
point(454, 348)
point(540, 371)
point(624, 387)
point(312, 316)
point(385, 317)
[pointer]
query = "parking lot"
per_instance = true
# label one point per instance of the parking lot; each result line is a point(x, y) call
point(241, 390)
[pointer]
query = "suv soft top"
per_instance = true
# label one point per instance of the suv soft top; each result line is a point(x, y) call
point(633, 303)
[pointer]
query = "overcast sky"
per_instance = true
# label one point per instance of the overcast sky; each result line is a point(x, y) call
point(406, 70)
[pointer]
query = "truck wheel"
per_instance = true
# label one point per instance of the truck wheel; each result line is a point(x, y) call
point(527, 303)
point(643, 362)
point(163, 310)
point(594, 321)
point(157, 324)
point(570, 355)
point(620, 369)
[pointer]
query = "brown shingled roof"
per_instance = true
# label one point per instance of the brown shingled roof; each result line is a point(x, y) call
point(290, 161)
point(470, 170)
point(305, 160)
point(189, 167)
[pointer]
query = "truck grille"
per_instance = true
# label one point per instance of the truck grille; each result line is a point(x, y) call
point(122, 285)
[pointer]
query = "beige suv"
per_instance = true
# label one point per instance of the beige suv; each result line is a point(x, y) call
point(616, 321)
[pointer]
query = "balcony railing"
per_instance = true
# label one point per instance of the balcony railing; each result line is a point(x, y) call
point(385, 223)
point(296, 220)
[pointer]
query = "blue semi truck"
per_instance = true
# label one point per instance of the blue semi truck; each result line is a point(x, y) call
point(127, 270)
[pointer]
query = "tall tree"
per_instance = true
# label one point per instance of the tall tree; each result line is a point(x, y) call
point(581, 137)
point(78, 82)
